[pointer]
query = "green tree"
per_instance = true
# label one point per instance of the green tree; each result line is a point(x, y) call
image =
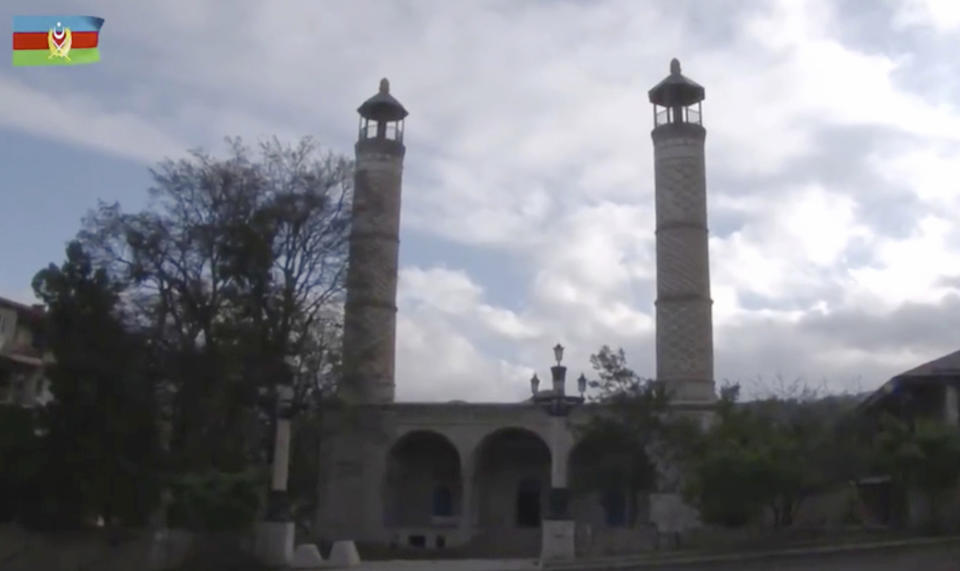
point(613, 454)
point(923, 455)
point(722, 468)
point(237, 271)
point(19, 442)
point(100, 447)
point(770, 454)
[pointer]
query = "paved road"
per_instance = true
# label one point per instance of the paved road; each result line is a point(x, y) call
point(939, 557)
point(452, 565)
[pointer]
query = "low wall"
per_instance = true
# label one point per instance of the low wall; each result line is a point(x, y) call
point(116, 550)
point(611, 541)
point(929, 554)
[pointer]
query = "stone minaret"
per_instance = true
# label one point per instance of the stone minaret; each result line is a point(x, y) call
point(684, 322)
point(370, 320)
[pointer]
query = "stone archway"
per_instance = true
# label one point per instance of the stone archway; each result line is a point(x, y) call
point(512, 480)
point(423, 485)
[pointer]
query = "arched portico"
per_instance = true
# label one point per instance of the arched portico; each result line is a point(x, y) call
point(423, 483)
point(511, 479)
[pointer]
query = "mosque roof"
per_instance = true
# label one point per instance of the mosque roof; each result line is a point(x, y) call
point(382, 106)
point(676, 89)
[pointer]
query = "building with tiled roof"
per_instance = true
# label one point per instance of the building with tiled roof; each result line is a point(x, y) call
point(22, 354)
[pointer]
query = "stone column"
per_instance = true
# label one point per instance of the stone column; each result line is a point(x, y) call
point(684, 330)
point(558, 534)
point(275, 535)
point(467, 497)
point(281, 455)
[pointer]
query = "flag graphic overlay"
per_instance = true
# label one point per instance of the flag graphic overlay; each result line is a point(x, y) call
point(55, 40)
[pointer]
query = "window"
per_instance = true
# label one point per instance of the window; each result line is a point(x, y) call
point(3, 329)
point(39, 340)
point(442, 501)
point(528, 503)
point(614, 507)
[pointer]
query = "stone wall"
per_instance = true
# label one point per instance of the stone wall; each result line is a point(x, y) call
point(69, 551)
point(356, 499)
point(355, 504)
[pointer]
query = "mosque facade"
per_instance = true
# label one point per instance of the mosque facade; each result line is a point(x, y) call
point(492, 478)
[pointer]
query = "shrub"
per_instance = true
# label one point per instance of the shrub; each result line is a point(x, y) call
point(215, 501)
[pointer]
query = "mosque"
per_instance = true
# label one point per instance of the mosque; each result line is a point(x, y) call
point(492, 478)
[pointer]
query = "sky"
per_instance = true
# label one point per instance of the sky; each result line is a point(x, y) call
point(833, 159)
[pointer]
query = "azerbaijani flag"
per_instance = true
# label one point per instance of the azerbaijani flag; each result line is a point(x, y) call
point(55, 40)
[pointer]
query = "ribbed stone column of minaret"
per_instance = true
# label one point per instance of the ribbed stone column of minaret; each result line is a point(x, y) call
point(370, 320)
point(684, 324)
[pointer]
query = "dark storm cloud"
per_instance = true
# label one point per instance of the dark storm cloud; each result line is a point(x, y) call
point(911, 326)
point(884, 344)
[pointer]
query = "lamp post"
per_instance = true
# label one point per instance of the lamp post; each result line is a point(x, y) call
point(275, 534)
point(558, 525)
point(278, 506)
point(555, 400)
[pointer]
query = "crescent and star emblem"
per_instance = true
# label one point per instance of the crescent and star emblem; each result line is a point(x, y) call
point(59, 40)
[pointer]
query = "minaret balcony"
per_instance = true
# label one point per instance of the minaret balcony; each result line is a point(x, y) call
point(665, 116)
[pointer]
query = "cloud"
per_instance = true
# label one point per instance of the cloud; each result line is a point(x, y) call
point(84, 121)
point(437, 363)
point(440, 311)
point(941, 15)
point(830, 163)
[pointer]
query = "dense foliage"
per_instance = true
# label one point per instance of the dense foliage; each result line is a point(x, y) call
point(236, 272)
point(18, 444)
point(923, 455)
point(613, 458)
point(214, 501)
point(99, 450)
point(171, 330)
point(766, 455)
point(757, 460)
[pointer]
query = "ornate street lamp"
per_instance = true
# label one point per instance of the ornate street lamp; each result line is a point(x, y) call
point(558, 525)
point(555, 401)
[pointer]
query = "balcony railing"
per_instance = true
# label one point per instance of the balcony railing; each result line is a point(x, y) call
point(392, 130)
point(662, 118)
point(687, 115)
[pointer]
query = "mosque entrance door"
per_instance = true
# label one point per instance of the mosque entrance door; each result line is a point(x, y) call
point(528, 503)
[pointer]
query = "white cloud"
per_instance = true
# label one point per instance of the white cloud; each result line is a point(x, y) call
point(83, 121)
point(941, 15)
point(529, 136)
point(450, 291)
point(438, 363)
point(437, 358)
point(931, 170)
point(911, 269)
